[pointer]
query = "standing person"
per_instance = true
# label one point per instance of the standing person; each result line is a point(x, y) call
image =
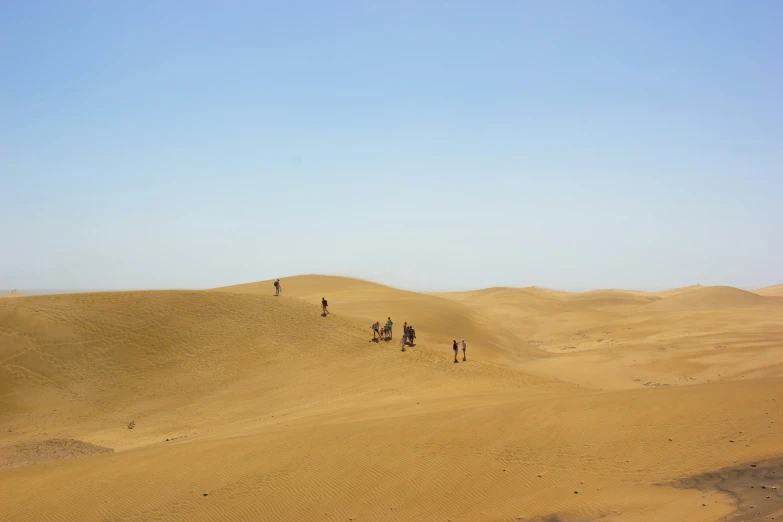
point(455, 351)
point(278, 290)
point(375, 330)
point(389, 325)
point(402, 343)
point(324, 305)
point(464, 347)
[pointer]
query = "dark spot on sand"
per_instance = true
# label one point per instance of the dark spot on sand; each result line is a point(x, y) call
point(739, 481)
point(28, 453)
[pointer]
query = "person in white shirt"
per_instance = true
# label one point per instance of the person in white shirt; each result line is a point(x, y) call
point(402, 343)
point(464, 347)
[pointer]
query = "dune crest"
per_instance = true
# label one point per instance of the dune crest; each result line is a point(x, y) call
point(770, 291)
point(677, 291)
point(713, 298)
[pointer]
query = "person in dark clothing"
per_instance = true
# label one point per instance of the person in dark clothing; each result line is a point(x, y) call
point(456, 349)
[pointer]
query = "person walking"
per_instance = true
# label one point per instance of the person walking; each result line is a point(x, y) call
point(324, 306)
point(278, 289)
point(455, 351)
point(464, 348)
point(376, 330)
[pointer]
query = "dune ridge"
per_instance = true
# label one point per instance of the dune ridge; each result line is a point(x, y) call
point(770, 291)
point(236, 404)
point(714, 297)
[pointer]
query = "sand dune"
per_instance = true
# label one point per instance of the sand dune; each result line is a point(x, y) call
point(770, 291)
point(235, 404)
point(438, 320)
point(714, 298)
point(677, 291)
point(625, 339)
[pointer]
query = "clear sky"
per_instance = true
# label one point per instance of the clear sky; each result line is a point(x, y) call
point(427, 145)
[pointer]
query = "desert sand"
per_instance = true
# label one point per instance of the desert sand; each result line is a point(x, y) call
point(770, 291)
point(235, 404)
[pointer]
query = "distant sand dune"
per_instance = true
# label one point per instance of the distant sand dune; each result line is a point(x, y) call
point(713, 298)
point(678, 291)
point(625, 339)
point(234, 404)
point(770, 291)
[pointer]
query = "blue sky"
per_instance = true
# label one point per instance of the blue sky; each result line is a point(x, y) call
point(426, 145)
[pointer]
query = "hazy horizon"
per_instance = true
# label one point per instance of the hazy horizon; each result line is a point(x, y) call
point(45, 291)
point(422, 146)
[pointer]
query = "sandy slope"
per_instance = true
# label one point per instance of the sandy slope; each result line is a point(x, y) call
point(277, 413)
point(617, 339)
point(438, 320)
point(713, 298)
point(770, 291)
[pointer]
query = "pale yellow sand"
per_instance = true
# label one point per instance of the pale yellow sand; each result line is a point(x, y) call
point(771, 291)
point(277, 413)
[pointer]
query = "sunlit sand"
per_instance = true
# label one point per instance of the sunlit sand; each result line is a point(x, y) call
point(236, 404)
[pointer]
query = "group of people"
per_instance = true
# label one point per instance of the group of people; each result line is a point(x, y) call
point(385, 332)
point(382, 332)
